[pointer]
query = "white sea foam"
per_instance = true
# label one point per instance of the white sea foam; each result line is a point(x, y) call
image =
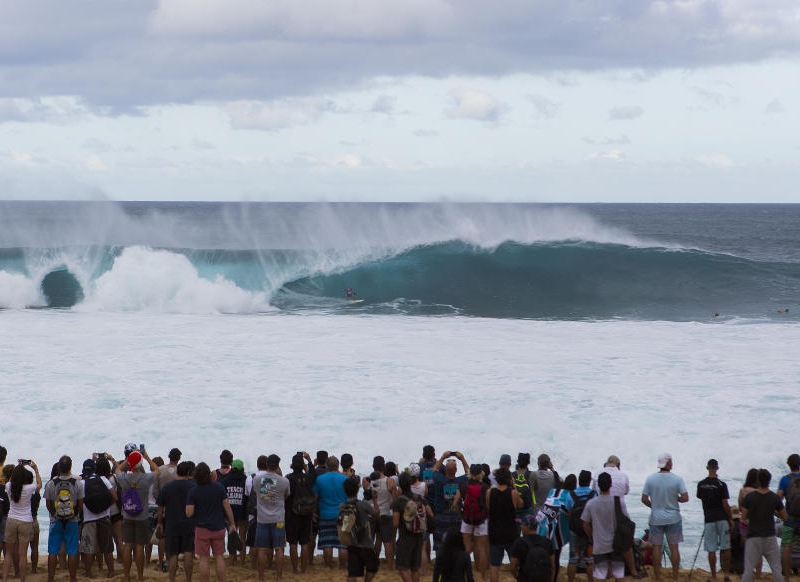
point(77, 382)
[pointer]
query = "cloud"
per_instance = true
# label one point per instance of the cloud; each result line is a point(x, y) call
point(620, 140)
point(543, 107)
point(610, 155)
point(774, 106)
point(425, 133)
point(715, 161)
point(625, 112)
point(118, 57)
point(384, 104)
point(471, 104)
point(278, 113)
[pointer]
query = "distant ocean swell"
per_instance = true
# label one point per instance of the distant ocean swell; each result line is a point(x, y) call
point(546, 280)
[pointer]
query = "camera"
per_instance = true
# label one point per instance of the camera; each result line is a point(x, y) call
point(26, 461)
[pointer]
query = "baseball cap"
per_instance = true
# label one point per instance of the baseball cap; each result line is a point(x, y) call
point(505, 460)
point(663, 459)
point(129, 448)
point(88, 468)
point(298, 462)
point(414, 470)
point(529, 521)
point(238, 464)
point(273, 460)
point(134, 459)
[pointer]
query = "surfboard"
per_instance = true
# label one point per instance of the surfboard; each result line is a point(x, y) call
point(355, 300)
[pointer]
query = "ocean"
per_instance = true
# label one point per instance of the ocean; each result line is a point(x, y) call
point(576, 330)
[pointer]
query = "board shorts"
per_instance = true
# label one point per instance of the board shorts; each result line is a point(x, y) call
point(790, 536)
point(409, 552)
point(328, 535)
point(386, 529)
point(579, 552)
point(96, 537)
point(359, 560)
point(270, 535)
point(673, 532)
point(136, 531)
point(208, 541)
point(66, 533)
point(298, 530)
point(717, 536)
point(179, 540)
point(496, 553)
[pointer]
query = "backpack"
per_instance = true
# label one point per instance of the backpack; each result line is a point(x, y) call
point(415, 516)
point(474, 508)
point(304, 502)
point(252, 502)
point(537, 566)
point(348, 525)
point(131, 502)
point(793, 496)
point(623, 530)
point(64, 502)
point(523, 487)
point(575, 521)
point(96, 496)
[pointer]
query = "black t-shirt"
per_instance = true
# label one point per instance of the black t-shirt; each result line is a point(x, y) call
point(172, 498)
point(761, 508)
point(502, 524)
point(711, 491)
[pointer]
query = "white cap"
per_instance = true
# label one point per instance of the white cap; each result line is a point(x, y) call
point(663, 459)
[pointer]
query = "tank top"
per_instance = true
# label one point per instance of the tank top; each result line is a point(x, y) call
point(502, 515)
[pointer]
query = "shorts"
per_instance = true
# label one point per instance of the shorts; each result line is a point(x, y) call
point(96, 537)
point(328, 535)
point(579, 552)
point(298, 530)
point(605, 562)
point(790, 536)
point(476, 530)
point(386, 529)
point(135, 531)
point(409, 552)
point(270, 535)
point(673, 531)
point(207, 542)
point(717, 536)
point(18, 532)
point(66, 533)
point(496, 553)
point(179, 540)
point(359, 560)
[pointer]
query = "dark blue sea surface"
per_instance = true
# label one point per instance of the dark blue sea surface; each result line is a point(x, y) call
point(679, 262)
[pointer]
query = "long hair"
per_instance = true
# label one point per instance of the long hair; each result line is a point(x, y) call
point(19, 478)
point(202, 474)
point(752, 478)
point(452, 548)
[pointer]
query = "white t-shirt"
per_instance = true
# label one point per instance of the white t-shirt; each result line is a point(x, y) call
point(620, 486)
point(21, 511)
point(87, 513)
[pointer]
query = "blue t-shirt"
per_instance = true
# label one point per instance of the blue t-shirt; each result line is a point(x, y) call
point(330, 489)
point(664, 488)
point(783, 486)
point(445, 491)
point(207, 500)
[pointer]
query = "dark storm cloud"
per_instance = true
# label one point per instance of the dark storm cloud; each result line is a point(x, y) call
point(118, 56)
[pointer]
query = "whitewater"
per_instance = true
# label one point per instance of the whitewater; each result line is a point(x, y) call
point(202, 328)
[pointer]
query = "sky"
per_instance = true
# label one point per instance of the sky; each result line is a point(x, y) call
point(412, 100)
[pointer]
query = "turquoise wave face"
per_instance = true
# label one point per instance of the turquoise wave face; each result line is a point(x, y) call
point(567, 280)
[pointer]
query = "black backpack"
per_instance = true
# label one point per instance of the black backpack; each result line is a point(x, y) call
point(575, 521)
point(537, 566)
point(96, 495)
point(523, 486)
point(304, 502)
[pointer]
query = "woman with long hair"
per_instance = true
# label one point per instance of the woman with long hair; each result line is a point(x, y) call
point(19, 525)
point(453, 563)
